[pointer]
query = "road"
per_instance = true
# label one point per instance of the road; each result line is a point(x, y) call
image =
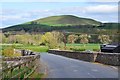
point(62, 67)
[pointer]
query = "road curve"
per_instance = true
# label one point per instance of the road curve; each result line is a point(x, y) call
point(63, 67)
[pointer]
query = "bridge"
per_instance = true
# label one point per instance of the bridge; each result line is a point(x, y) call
point(63, 67)
point(19, 67)
point(63, 64)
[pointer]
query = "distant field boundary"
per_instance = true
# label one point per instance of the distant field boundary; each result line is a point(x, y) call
point(104, 58)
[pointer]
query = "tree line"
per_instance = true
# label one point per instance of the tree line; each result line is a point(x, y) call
point(54, 39)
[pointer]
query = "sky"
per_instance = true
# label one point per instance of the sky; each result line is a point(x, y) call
point(14, 12)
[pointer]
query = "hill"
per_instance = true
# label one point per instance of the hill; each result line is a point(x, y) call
point(68, 23)
point(66, 20)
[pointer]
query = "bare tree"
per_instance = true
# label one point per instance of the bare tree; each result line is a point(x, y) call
point(72, 38)
point(84, 38)
point(104, 39)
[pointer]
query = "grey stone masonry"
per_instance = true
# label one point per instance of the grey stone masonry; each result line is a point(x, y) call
point(100, 57)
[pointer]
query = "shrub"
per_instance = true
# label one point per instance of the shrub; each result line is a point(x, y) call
point(81, 49)
point(96, 50)
point(77, 49)
point(9, 52)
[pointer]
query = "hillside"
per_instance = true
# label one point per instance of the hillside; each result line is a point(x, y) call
point(66, 20)
point(67, 23)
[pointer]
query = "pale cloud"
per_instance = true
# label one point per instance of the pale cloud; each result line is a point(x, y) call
point(39, 11)
point(102, 9)
point(43, 0)
point(16, 15)
point(105, 9)
point(10, 17)
point(11, 14)
point(109, 12)
point(103, 0)
point(0, 14)
point(23, 16)
point(59, 1)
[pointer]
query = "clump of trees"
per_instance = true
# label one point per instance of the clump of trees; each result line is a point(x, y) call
point(84, 38)
point(33, 39)
point(105, 39)
point(72, 38)
point(52, 39)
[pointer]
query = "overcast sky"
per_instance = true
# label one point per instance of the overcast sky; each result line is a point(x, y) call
point(20, 11)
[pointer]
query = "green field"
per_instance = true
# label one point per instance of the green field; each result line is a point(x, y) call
point(34, 48)
point(74, 47)
point(92, 47)
point(29, 47)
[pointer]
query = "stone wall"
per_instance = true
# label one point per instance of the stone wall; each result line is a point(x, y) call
point(104, 58)
point(108, 58)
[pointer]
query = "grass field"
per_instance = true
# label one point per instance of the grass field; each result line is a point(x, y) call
point(93, 47)
point(34, 48)
point(29, 47)
point(75, 47)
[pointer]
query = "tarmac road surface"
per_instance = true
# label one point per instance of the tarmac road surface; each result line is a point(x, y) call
point(63, 67)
